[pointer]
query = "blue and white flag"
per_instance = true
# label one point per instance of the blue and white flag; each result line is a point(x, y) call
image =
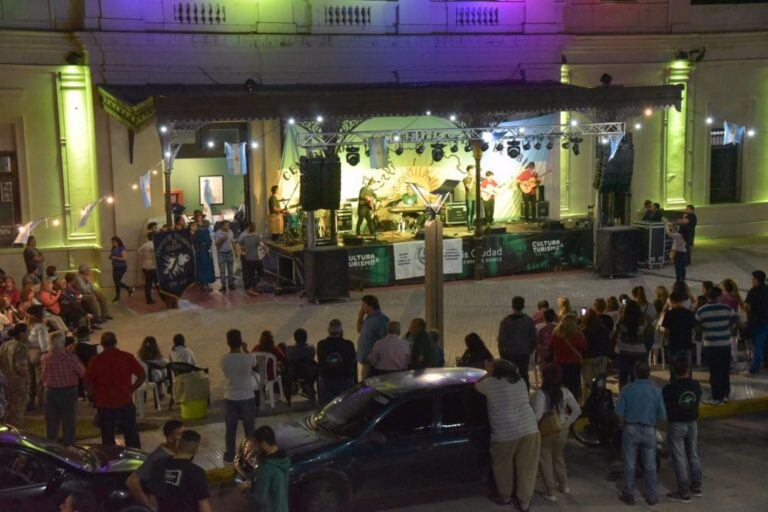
point(733, 133)
point(207, 199)
point(615, 139)
point(145, 188)
point(236, 160)
point(86, 212)
point(25, 231)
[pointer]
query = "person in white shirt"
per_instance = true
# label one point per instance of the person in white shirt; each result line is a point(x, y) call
point(391, 353)
point(225, 247)
point(180, 353)
point(146, 254)
point(239, 397)
point(554, 398)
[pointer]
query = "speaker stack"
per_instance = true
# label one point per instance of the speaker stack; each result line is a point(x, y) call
point(617, 249)
point(320, 183)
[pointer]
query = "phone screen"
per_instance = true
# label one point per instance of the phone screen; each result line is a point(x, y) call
point(583, 311)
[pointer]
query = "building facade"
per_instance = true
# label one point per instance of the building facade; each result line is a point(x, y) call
point(64, 147)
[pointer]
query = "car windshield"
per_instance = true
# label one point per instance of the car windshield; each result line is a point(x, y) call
point(351, 413)
point(73, 455)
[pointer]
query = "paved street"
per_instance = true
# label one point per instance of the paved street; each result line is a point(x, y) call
point(732, 452)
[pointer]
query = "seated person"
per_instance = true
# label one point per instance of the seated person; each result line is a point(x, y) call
point(180, 353)
point(301, 363)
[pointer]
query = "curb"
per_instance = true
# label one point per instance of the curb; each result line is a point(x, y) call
point(220, 476)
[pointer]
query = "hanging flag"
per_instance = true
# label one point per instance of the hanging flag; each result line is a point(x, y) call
point(26, 231)
point(175, 258)
point(733, 133)
point(86, 212)
point(615, 139)
point(207, 199)
point(236, 160)
point(146, 190)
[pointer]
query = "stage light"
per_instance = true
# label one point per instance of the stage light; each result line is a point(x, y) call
point(537, 145)
point(135, 186)
point(21, 229)
point(513, 149)
point(454, 147)
point(550, 144)
point(603, 140)
point(154, 172)
point(163, 128)
point(167, 154)
point(437, 151)
point(576, 141)
point(527, 145)
point(638, 126)
point(319, 119)
point(110, 199)
point(484, 147)
point(353, 155)
point(522, 129)
point(566, 145)
point(254, 144)
point(648, 112)
point(419, 148)
point(499, 147)
point(487, 136)
point(291, 120)
point(709, 120)
point(452, 118)
point(467, 147)
point(56, 222)
point(428, 113)
point(396, 138)
point(211, 144)
point(399, 150)
point(751, 132)
point(574, 122)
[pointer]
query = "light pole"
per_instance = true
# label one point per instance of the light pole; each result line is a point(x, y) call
point(477, 240)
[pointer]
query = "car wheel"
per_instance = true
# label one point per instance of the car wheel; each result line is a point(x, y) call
point(323, 496)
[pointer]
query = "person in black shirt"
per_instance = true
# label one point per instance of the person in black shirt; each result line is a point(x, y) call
point(601, 306)
point(179, 485)
point(681, 398)
point(678, 324)
point(756, 305)
point(595, 359)
point(337, 363)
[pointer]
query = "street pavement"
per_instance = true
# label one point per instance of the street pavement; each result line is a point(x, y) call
point(733, 457)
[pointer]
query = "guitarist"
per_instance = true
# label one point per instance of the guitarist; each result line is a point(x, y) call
point(366, 203)
point(528, 181)
point(488, 193)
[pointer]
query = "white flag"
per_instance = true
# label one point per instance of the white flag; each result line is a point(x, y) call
point(25, 231)
point(86, 212)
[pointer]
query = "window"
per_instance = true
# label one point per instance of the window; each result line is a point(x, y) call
point(724, 170)
point(463, 409)
point(22, 469)
point(413, 417)
point(10, 206)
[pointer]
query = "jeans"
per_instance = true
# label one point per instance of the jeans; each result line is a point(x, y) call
point(680, 260)
point(572, 378)
point(150, 281)
point(758, 338)
point(125, 418)
point(626, 364)
point(683, 447)
point(236, 411)
point(60, 405)
point(330, 388)
point(634, 439)
point(364, 214)
point(117, 279)
point(719, 361)
point(252, 272)
point(488, 207)
point(470, 204)
point(674, 354)
point(521, 361)
point(226, 265)
point(528, 206)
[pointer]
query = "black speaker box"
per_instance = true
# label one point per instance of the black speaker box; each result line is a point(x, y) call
point(326, 274)
point(617, 249)
point(320, 181)
point(617, 172)
point(542, 209)
point(353, 240)
point(497, 231)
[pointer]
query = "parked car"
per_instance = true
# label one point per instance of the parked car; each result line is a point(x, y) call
point(388, 436)
point(37, 474)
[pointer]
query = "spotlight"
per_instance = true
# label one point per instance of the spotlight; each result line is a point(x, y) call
point(566, 145)
point(167, 154)
point(499, 147)
point(638, 126)
point(648, 112)
point(709, 120)
point(537, 145)
point(484, 146)
point(603, 140)
point(513, 149)
point(606, 79)
point(467, 147)
point(751, 132)
point(452, 118)
point(522, 129)
point(254, 144)
point(135, 186)
point(454, 147)
point(550, 144)
point(353, 155)
point(428, 113)
point(574, 122)
point(291, 120)
point(319, 119)
point(437, 151)
point(576, 141)
point(211, 144)
point(396, 138)
point(419, 148)
point(163, 128)
point(21, 228)
point(527, 145)
point(399, 150)
point(154, 172)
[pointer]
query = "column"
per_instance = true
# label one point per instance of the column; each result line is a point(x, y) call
point(676, 162)
point(265, 167)
point(560, 201)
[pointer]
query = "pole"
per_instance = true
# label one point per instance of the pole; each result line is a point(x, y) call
point(167, 175)
point(433, 275)
point(477, 240)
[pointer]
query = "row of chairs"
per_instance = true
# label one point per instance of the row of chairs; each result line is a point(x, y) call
point(152, 388)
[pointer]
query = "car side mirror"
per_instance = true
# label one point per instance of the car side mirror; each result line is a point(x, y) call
point(54, 483)
point(375, 437)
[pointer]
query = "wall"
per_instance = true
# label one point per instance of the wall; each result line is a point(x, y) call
point(186, 177)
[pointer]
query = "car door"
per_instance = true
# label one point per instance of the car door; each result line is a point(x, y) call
point(392, 458)
point(24, 476)
point(459, 447)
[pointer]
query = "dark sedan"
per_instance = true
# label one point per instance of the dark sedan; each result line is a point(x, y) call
point(37, 474)
point(389, 436)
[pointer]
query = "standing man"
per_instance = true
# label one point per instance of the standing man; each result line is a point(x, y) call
point(108, 380)
point(371, 326)
point(337, 368)
point(640, 408)
point(679, 252)
point(756, 305)
point(517, 337)
point(252, 250)
point(528, 182)
point(139, 480)
point(60, 371)
point(148, 267)
point(33, 258)
point(225, 247)
point(93, 300)
point(268, 488)
point(14, 365)
point(678, 323)
point(488, 194)
point(239, 398)
point(469, 196)
point(276, 223)
point(365, 205)
point(716, 320)
point(179, 484)
point(681, 398)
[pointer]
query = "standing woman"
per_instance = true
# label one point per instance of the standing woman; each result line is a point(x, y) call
point(569, 345)
point(205, 275)
point(731, 295)
point(119, 267)
point(631, 345)
point(598, 349)
point(563, 307)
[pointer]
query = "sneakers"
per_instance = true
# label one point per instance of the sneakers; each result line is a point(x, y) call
point(678, 498)
point(712, 401)
point(565, 490)
point(549, 497)
point(697, 492)
point(627, 498)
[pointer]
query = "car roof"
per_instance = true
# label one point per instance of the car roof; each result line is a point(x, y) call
point(424, 380)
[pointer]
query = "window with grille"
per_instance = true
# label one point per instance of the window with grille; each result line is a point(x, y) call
point(10, 208)
point(724, 170)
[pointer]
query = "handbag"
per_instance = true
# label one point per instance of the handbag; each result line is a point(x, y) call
point(549, 424)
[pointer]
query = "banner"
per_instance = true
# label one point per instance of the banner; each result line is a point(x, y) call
point(145, 181)
point(237, 163)
point(410, 258)
point(732, 133)
point(370, 266)
point(175, 257)
point(86, 212)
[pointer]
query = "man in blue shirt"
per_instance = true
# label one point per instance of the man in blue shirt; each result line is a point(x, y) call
point(640, 408)
point(372, 326)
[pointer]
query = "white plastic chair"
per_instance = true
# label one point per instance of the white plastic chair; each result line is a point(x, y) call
point(140, 397)
point(263, 361)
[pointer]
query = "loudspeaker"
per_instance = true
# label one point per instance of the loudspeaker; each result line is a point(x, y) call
point(617, 172)
point(320, 181)
point(326, 274)
point(542, 209)
point(617, 249)
point(455, 213)
point(344, 220)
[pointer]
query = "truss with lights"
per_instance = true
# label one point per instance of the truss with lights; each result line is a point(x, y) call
point(321, 140)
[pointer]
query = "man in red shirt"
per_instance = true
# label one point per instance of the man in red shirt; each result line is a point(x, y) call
point(108, 381)
point(528, 178)
point(488, 187)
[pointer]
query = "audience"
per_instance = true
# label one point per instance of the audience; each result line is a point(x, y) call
point(337, 366)
point(538, 315)
point(139, 481)
point(756, 306)
point(268, 488)
point(180, 353)
point(93, 300)
point(371, 326)
point(716, 320)
point(178, 484)
point(391, 353)
point(60, 372)
point(149, 352)
point(517, 338)
point(568, 346)
point(598, 350)
point(267, 344)
point(544, 331)
point(15, 366)
point(476, 353)
point(630, 343)
point(422, 345)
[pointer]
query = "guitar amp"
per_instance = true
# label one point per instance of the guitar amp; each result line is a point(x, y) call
point(344, 220)
point(455, 213)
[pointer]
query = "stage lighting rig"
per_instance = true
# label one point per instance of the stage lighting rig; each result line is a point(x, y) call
point(454, 147)
point(437, 151)
point(467, 147)
point(353, 155)
point(419, 148)
point(399, 150)
point(513, 149)
point(537, 145)
point(550, 144)
point(527, 145)
point(499, 147)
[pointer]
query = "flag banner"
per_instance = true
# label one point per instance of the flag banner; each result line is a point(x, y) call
point(615, 140)
point(26, 231)
point(86, 212)
point(733, 133)
point(409, 258)
point(146, 190)
point(175, 257)
point(236, 160)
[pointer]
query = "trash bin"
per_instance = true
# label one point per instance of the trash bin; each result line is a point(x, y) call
point(194, 410)
point(191, 392)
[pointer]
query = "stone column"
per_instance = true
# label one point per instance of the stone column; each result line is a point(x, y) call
point(265, 167)
point(676, 162)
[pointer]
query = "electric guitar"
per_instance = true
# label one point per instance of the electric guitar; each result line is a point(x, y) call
point(529, 186)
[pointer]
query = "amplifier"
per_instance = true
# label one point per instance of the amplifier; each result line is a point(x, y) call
point(344, 220)
point(455, 213)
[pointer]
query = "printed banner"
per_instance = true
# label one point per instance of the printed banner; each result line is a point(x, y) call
point(370, 266)
point(410, 258)
point(236, 160)
point(732, 133)
point(175, 257)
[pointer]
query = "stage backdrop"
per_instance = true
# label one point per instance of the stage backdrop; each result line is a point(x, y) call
point(390, 181)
